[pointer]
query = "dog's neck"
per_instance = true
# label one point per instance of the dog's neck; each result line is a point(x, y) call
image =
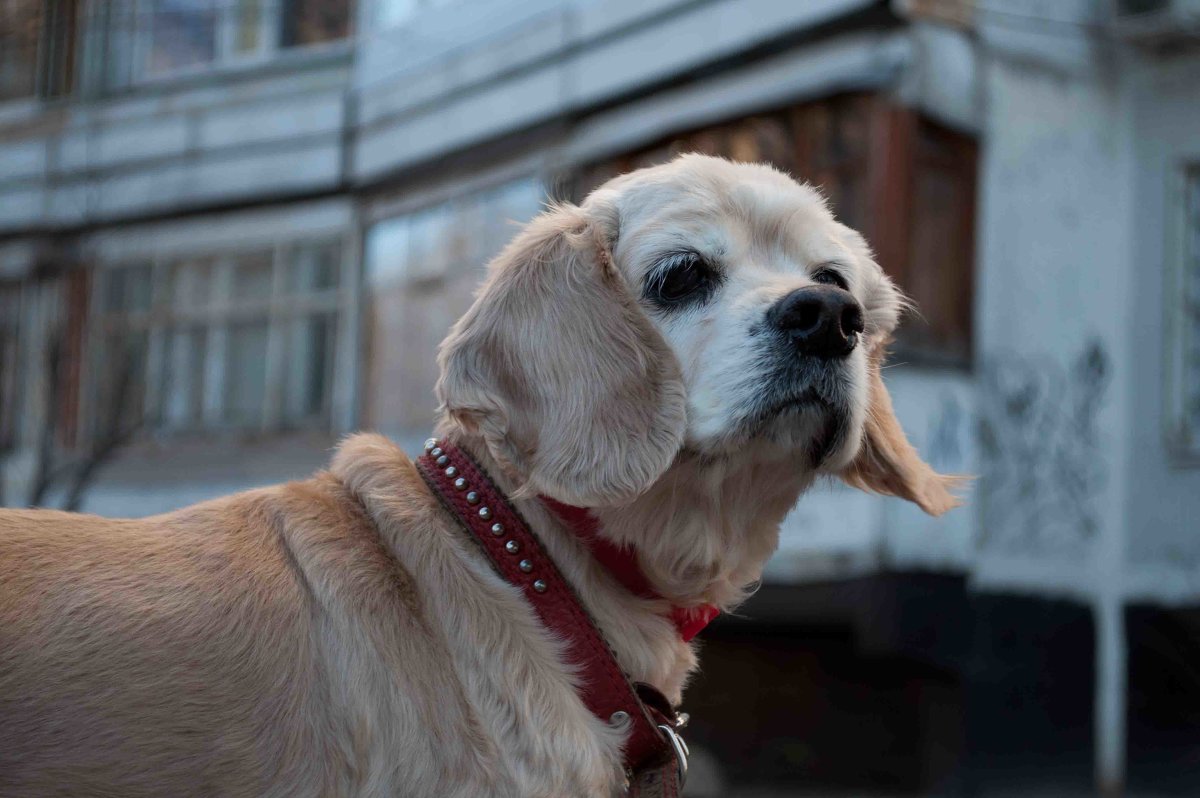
point(705, 529)
point(702, 534)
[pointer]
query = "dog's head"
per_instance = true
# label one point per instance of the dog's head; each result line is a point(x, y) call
point(701, 306)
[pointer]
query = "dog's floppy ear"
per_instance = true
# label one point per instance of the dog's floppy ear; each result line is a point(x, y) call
point(887, 463)
point(561, 372)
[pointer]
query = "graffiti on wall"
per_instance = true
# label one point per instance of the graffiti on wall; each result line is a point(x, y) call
point(1041, 450)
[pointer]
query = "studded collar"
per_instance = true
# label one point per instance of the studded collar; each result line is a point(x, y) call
point(654, 753)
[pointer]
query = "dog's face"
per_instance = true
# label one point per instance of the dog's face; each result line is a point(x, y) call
point(700, 307)
point(768, 304)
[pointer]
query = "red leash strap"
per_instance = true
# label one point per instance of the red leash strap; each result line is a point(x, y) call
point(653, 750)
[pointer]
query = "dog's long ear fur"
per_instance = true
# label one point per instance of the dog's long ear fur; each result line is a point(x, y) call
point(887, 463)
point(561, 372)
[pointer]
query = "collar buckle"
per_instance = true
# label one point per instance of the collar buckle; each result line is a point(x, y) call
point(678, 746)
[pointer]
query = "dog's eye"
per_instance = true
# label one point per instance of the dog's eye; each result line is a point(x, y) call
point(680, 278)
point(830, 277)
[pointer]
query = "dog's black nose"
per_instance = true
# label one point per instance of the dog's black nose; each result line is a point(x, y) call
point(822, 320)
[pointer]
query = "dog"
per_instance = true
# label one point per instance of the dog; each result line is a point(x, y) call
point(683, 353)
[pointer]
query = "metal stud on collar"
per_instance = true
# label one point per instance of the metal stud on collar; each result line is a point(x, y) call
point(512, 546)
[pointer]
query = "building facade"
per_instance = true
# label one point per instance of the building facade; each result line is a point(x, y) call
point(233, 230)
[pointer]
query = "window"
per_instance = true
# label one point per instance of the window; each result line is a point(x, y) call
point(20, 32)
point(314, 21)
point(171, 36)
point(422, 268)
point(37, 48)
point(10, 325)
point(181, 33)
point(1183, 337)
point(242, 340)
point(905, 182)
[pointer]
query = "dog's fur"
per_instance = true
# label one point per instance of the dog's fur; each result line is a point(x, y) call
point(342, 636)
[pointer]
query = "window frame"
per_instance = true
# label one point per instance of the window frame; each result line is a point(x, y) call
point(11, 314)
point(1181, 339)
point(228, 236)
point(438, 283)
point(138, 39)
point(225, 53)
point(54, 57)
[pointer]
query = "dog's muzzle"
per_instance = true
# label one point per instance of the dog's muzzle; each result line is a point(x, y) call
point(822, 321)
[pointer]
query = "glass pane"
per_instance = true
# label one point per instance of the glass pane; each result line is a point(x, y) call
point(182, 33)
point(314, 267)
point(246, 373)
point(9, 363)
point(114, 290)
point(387, 252)
point(462, 242)
point(248, 22)
point(252, 278)
point(314, 21)
point(20, 29)
point(1190, 297)
point(309, 367)
point(183, 388)
point(128, 289)
point(430, 243)
point(123, 383)
point(191, 285)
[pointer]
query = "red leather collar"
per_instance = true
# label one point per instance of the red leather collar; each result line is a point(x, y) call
point(653, 748)
point(623, 565)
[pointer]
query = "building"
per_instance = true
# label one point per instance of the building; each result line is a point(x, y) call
point(231, 230)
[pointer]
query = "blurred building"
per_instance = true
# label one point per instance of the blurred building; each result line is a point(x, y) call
point(232, 230)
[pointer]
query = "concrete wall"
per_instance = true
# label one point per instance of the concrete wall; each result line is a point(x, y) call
point(1162, 546)
point(1054, 278)
point(1079, 496)
point(254, 134)
point(473, 72)
point(449, 79)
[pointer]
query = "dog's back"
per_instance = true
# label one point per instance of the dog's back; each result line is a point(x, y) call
point(126, 654)
point(190, 653)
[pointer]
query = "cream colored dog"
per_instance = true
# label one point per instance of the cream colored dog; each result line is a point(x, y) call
point(685, 352)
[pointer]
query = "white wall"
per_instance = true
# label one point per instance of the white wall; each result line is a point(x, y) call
point(1054, 282)
point(1163, 514)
